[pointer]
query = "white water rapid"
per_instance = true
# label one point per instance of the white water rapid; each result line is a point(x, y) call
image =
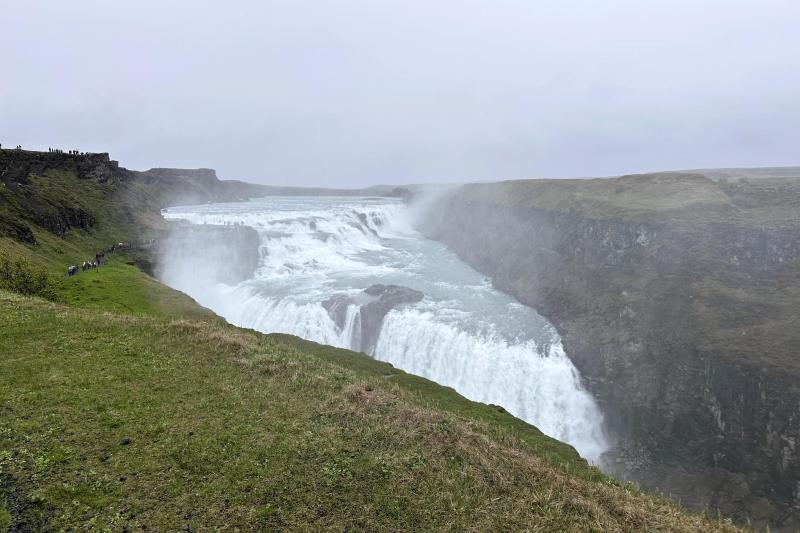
point(463, 333)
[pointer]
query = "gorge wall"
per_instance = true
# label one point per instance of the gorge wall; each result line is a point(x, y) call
point(678, 298)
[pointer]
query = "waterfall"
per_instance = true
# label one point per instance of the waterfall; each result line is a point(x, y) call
point(463, 334)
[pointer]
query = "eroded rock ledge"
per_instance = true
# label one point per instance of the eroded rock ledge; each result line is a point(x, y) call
point(374, 304)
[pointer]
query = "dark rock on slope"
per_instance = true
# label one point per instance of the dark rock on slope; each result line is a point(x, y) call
point(678, 298)
point(17, 230)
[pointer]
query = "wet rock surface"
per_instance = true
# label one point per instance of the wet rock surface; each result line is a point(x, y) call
point(374, 304)
point(336, 306)
point(385, 298)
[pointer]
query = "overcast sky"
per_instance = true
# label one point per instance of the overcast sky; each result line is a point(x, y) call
point(353, 93)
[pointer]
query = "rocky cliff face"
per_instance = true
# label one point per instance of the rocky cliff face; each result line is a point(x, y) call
point(185, 186)
point(18, 165)
point(30, 199)
point(678, 299)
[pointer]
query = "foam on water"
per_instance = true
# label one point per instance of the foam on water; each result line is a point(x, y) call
point(464, 334)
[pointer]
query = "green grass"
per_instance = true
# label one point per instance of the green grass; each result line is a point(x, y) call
point(18, 274)
point(121, 287)
point(114, 420)
point(5, 518)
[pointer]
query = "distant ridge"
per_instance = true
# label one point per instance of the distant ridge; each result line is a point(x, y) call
point(746, 173)
point(176, 186)
point(232, 190)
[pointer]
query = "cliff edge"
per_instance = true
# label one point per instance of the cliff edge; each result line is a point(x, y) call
point(678, 298)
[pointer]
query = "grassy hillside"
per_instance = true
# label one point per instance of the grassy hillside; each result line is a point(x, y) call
point(124, 405)
point(117, 420)
point(121, 287)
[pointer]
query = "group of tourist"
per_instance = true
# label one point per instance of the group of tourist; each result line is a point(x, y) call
point(99, 260)
point(87, 265)
point(60, 151)
point(100, 257)
point(53, 150)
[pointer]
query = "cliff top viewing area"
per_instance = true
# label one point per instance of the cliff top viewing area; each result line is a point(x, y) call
point(21, 154)
point(18, 165)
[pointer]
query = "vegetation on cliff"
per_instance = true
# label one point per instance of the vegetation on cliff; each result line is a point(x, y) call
point(21, 276)
point(126, 405)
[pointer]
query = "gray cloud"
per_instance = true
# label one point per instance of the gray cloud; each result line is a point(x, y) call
point(361, 92)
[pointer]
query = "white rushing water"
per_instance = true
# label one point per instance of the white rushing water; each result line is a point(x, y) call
point(463, 334)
